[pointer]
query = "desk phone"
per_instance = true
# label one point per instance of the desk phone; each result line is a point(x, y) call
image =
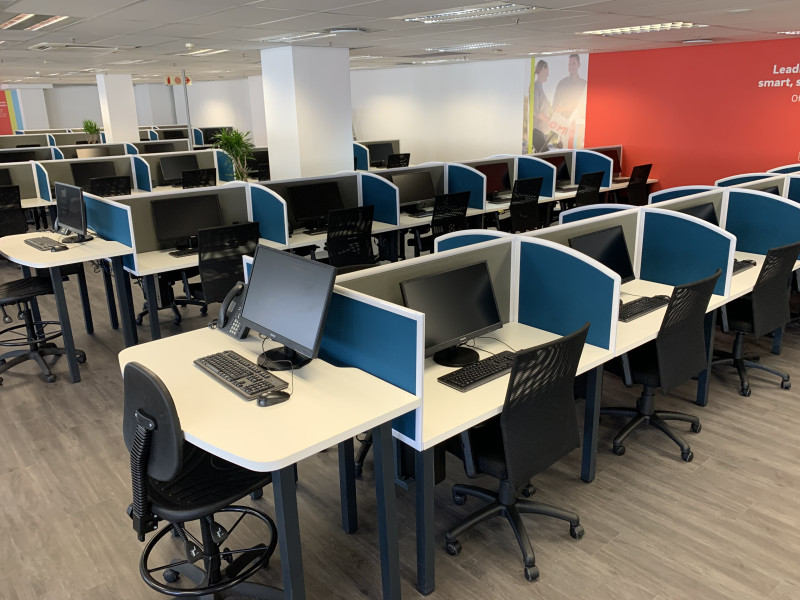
point(230, 313)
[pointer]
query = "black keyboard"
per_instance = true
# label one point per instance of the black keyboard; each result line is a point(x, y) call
point(44, 243)
point(315, 230)
point(483, 371)
point(641, 306)
point(742, 265)
point(243, 376)
point(184, 252)
point(421, 214)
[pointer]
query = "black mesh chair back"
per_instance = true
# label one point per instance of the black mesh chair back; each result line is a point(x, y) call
point(397, 160)
point(637, 185)
point(770, 295)
point(525, 209)
point(199, 178)
point(220, 251)
point(12, 216)
point(681, 343)
point(538, 419)
point(263, 171)
point(350, 236)
point(588, 189)
point(118, 185)
point(449, 213)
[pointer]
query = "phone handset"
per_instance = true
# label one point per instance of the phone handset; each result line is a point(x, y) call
point(230, 313)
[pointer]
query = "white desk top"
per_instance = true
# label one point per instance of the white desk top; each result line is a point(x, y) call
point(328, 405)
point(14, 248)
point(300, 239)
point(407, 221)
point(447, 412)
point(35, 203)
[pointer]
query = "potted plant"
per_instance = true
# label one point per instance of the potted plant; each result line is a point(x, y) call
point(92, 131)
point(238, 146)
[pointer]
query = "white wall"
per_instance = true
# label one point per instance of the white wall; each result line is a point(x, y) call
point(215, 103)
point(68, 106)
point(446, 112)
point(154, 104)
point(33, 108)
point(258, 111)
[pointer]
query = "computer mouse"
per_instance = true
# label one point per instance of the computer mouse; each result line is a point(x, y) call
point(272, 398)
point(57, 248)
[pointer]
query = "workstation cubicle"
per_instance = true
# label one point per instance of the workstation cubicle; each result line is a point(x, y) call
point(151, 173)
point(27, 140)
point(373, 154)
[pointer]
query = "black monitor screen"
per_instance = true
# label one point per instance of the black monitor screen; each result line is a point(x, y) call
point(19, 156)
point(608, 247)
point(174, 134)
point(71, 211)
point(414, 187)
point(497, 177)
point(379, 153)
point(5, 177)
point(703, 211)
point(176, 220)
point(459, 305)
point(92, 151)
point(209, 133)
point(560, 163)
point(287, 301)
point(156, 147)
point(311, 203)
point(613, 154)
point(772, 190)
point(172, 167)
point(82, 172)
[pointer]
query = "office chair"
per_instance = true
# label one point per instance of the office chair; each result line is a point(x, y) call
point(676, 355)
point(636, 191)
point(179, 483)
point(588, 192)
point(220, 251)
point(199, 178)
point(526, 212)
point(449, 215)
point(397, 160)
point(536, 428)
point(349, 242)
point(762, 311)
point(110, 186)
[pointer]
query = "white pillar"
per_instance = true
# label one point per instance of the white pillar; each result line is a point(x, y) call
point(118, 107)
point(33, 109)
point(308, 111)
point(258, 112)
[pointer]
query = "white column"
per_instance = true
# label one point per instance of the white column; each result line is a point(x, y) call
point(258, 112)
point(308, 111)
point(33, 109)
point(118, 107)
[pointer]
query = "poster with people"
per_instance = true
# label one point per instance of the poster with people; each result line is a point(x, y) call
point(555, 103)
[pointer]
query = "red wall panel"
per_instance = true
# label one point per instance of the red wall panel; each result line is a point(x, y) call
point(697, 113)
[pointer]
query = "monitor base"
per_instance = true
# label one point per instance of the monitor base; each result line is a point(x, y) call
point(77, 239)
point(282, 359)
point(456, 356)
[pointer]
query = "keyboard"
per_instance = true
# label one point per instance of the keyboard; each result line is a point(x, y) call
point(641, 306)
point(742, 265)
point(183, 252)
point(44, 243)
point(243, 376)
point(421, 214)
point(483, 371)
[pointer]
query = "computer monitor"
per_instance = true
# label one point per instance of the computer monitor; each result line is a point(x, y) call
point(157, 147)
point(414, 188)
point(199, 178)
point(608, 247)
point(703, 211)
point(220, 251)
point(287, 301)
point(498, 178)
point(614, 155)
point(562, 170)
point(71, 210)
point(18, 156)
point(5, 177)
point(174, 134)
point(771, 190)
point(311, 203)
point(176, 220)
point(172, 167)
point(379, 153)
point(82, 172)
point(92, 152)
point(459, 305)
point(209, 133)
point(29, 145)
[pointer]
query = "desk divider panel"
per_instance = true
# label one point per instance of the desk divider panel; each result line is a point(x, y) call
point(762, 221)
point(786, 169)
point(467, 237)
point(462, 178)
point(361, 154)
point(530, 166)
point(740, 179)
point(130, 148)
point(560, 289)
point(152, 134)
point(383, 195)
point(42, 182)
point(587, 212)
point(111, 221)
point(269, 209)
point(197, 137)
point(714, 195)
point(678, 249)
point(224, 165)
point(57, 153)
point(141, 174)
point(767, 181)
point(51, 141)
point(793, 192)
point(587, 161)
point(678, 192)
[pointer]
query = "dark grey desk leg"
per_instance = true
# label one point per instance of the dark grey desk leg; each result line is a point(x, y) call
point(35, 312)
point(152, 306)
point(110, 302)
point(284, 489)
point(777, 340)
point(84, 292)
point(387, 510)
point(591, 423)
point(129, 333)
point(426, 558)
point(703, 378)
point(66, 328)
point(347, 486)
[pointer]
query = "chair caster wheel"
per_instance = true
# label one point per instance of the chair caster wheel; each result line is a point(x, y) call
point(257, 495)
point(786, 385)
point(1, 381)
point(528, 491)
point(696, 427)
point(532, 573)
point(50, 378)
point(139, 321)
point(745, 391)
point(81, 358)
point(576, 531)
point(459, 499)
point(618, 450)
point(453, 548)
point(687, 456)
point(171, 576)
point(203, 310)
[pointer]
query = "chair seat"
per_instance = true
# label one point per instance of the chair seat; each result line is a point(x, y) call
point(643, 365)
point(740, 315)
point(206, 483)
point(489, 456)
point(21, 290)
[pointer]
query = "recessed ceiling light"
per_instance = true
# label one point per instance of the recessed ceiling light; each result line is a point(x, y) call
point(552, 52)
point(365, 57)
point(45, 23)
point(477, 11)
point(697, 41)
point(16, 20)
point(462, 47)
point(644, 28)
point(788, 32)
point(288, 38)
point(439, 61)
point(738, 11)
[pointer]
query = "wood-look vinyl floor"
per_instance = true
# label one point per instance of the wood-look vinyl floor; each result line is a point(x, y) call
point(725, 526)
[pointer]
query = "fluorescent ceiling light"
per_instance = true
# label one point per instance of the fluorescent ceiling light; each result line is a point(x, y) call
point(552, 52)
point(477, 11)
point(296, 37)
point(644, 28)
point(45, 23)
point(788, 32)
point(697, 41)
point(462, 47)
point(439, 61)
point(16, 20)
point(365, 57)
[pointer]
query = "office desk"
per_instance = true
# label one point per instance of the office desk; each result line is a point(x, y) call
point(14, 248)
point(329, 405)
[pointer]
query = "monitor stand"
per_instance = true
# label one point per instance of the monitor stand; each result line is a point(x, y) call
point(283, 359)
point(77, 239)
point(456, 356)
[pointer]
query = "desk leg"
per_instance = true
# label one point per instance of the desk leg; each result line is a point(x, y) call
point(426, 558)
point(704, 377)
point(286, 519)
point(84, 292)
point(152, 306)
point(123, 282)
point(777, 340)
point(347, 486)
point(110, 301)
point(591, 423)
point(387, 510)
point(37, 315)
point(66, 328)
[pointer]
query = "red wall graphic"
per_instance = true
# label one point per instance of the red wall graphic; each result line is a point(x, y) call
point(5, 116)
point(700, 113)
